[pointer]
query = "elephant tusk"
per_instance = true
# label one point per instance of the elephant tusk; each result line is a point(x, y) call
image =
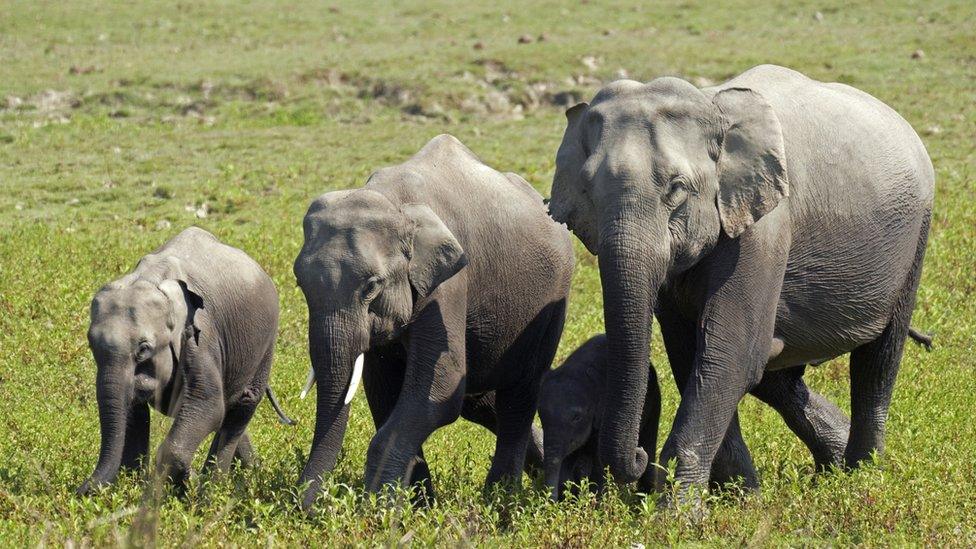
point(357, 376)
point(309, 381)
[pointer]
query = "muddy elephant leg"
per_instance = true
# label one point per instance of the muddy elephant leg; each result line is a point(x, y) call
point(382, 381)
point(820, 424)
point(732, 462)
point(431, 395)
point(480, 409)
point(517, 397)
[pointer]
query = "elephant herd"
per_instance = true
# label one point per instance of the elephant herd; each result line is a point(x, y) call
point(768, 223)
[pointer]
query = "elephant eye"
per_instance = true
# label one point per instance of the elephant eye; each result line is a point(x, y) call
point(144, 351)
point(677, 191)
point(371, 289)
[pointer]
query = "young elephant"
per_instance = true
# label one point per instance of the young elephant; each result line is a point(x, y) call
point(453, 281)
point(571, 407)
point(191, 332)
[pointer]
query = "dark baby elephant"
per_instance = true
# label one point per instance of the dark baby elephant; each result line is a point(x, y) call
point(190, 332)
point(768, 222)
point(452, 280)
point(571, 408)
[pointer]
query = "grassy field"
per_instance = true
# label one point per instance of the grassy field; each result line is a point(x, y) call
point(122, 124)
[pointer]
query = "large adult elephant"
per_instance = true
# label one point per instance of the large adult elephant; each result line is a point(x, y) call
point(768, 222)
point(453, 280)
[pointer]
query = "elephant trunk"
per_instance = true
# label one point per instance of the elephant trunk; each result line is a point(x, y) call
point(333, 348)
point(114, 394)
point(553, 473)
point(631, 273)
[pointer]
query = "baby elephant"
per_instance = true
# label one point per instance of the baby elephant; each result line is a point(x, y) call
point(191, 332)
point(571, 408)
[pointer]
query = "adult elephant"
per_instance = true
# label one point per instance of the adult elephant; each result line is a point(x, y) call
point(453, 280)
point(768, 222)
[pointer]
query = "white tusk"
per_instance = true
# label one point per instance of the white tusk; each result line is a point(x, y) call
point(357, 376)
point(309, 381)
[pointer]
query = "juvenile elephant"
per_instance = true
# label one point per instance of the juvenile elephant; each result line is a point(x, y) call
point(571, 404)
point(453, 281)
point(768, 222)
point(573, 396)
point(191, 332)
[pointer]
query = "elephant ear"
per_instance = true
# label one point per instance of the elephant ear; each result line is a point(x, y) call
point(436, 255)
point(571, 201)
point(566, 191)
point(184, 303)
point(751, 162)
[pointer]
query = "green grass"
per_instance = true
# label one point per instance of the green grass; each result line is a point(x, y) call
point(254, 109)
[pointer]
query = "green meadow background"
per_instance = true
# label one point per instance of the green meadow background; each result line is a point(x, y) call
point(123, 123)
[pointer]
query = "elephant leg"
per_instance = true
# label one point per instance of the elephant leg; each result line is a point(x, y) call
point(480, 409)
point(136, 446)
point(223, 449)
point(382, 381)
point(874, 367)
point(647, 437)
point(244, 454)
point(431, 396)
point(196, 420)
point(200, 413)
point(820, 424)
point(517, 398)
point(733, 342)
point(732, 460)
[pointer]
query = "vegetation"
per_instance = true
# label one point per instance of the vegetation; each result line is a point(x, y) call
point(122, 124)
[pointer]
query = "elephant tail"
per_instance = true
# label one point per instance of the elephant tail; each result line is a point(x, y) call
point(921, 338)
point(277, 407)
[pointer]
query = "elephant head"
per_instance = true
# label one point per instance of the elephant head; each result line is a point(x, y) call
point(569, 403)
point(650, 177)
point(136, 335)
point(365, 265)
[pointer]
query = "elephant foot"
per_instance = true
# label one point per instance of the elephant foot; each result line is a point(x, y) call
point(421, 483)
point(686, 500)
point(309, 496)
point(90, 486)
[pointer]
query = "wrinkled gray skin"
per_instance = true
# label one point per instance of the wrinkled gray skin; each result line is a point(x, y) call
point(571, 405)
point(571, 409)
point(768, 222)
point(190, 332)
point(453, 280)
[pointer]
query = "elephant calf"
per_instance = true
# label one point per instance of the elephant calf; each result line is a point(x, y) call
point(453, 280)
point(570, 406)
point(191, 332)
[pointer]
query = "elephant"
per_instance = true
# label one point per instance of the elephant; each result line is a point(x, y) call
point(571, 404)
point(191, 332)
point(767, 222)
point(452, 281)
